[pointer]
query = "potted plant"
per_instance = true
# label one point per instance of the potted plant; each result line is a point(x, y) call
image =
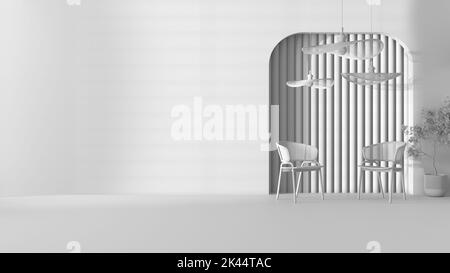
point(434, 130)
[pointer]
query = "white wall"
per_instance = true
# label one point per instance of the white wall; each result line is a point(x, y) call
point(431, 42)
point(87, 91)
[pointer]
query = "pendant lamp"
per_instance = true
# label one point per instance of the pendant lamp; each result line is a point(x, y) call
point(348, 49)
point(312, 82)
point(370, 78)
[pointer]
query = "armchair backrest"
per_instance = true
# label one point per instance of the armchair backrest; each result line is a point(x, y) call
point(299, 151)
point(385, 151)
point(283, 152)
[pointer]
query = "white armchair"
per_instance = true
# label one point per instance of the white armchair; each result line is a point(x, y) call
point(390, 152)
point(306, 156)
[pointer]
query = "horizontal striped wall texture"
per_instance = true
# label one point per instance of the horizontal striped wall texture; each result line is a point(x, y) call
point(343, 119)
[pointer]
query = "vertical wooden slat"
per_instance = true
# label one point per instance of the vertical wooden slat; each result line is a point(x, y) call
point(314, 112)
point(378, 106)
point(403, 102)
point(291, 91)
point(392, 102)
point(407, 118)
point(368, 114)
point(290, 48)
point(345, 128)
point(353, 140)
point(330, 122)
point(298, 100)
point(321, 113)
point(299, 91)
point(360, 117)
point(385, 105)
point(338, 93)
point(307, 110)
point(399, 103)
point(283, 101)
point(316, 92)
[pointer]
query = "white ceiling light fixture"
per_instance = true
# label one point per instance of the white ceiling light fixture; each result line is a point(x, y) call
point(373, 2)
point(312, 82)
point(348, 49)
point(370, 78)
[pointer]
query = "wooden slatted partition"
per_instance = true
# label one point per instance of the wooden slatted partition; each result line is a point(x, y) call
point(343, 119)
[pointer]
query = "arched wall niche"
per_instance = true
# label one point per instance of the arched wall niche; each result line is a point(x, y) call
point(341, 120)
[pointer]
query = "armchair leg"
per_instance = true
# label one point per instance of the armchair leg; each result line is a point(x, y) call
point(293, 185)
point(278, 187)
point(298, 183)
point(361, 173)
point(391, 182)
point(402, 175)
point(322, 188)
point(380, 184)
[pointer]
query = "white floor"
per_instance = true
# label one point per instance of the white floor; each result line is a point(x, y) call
point(149, 223)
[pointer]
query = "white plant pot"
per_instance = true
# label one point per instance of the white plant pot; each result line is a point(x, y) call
point(435, 185)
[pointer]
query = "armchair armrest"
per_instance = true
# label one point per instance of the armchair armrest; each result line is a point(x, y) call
point(310, 162)
point(287, 163)
point(371, 162)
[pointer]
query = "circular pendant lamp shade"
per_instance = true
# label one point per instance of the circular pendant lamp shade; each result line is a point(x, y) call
point(369, 78)
point(359, 49)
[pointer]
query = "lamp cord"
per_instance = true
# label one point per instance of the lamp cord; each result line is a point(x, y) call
point(342, 16)
point(371, 18)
